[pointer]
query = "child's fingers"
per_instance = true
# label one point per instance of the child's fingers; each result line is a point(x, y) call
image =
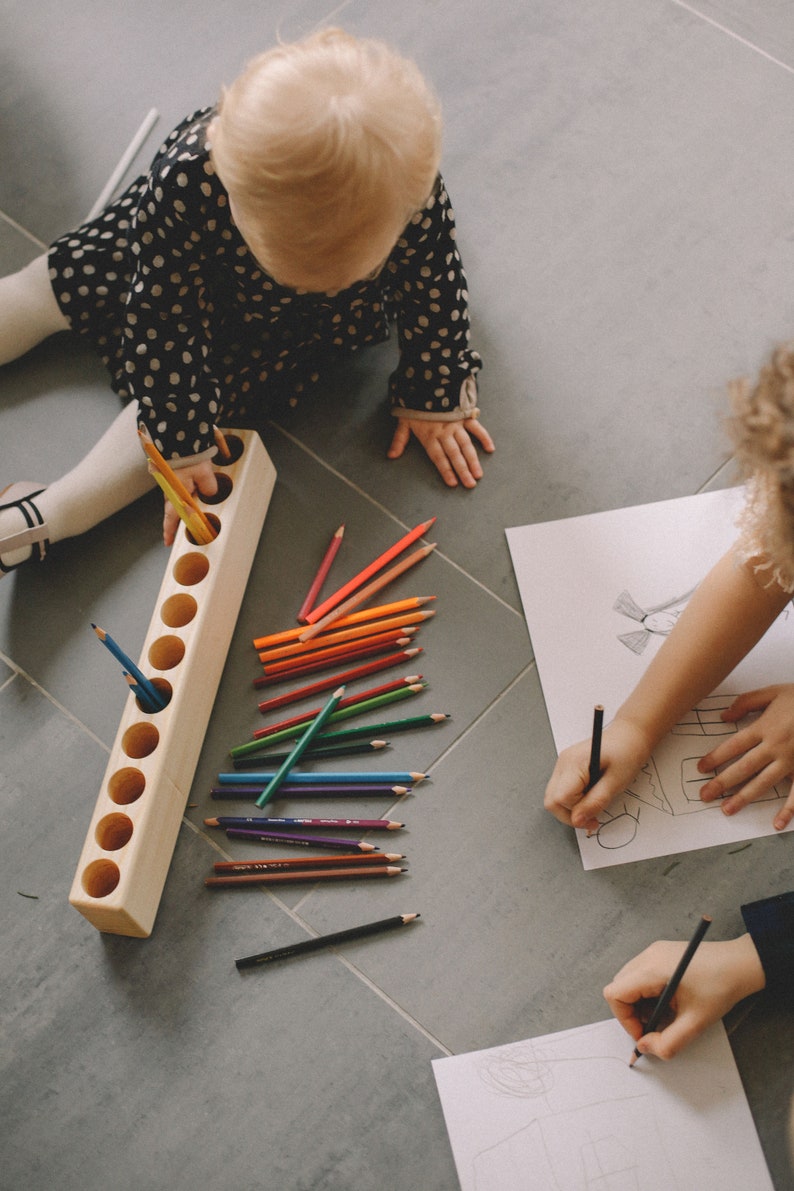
point(748, 702)
point(667, 1043)
point(736, 746)
point(783, 817)
point(478, 431)
point(399, 440)
point(750, 791)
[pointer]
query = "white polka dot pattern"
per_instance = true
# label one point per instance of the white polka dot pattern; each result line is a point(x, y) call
point(166, 291)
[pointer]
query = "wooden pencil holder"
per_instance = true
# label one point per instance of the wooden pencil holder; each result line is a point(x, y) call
point(132, 835)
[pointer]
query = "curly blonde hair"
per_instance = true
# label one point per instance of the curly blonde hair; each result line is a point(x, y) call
point(327, 147)
point(762, 430)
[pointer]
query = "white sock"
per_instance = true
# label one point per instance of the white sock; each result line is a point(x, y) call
point(111, 476)
point(29, 311)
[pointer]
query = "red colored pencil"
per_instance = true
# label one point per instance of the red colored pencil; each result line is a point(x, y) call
point(350, 701)
point(361, 597)
point(377, 613)
point(322, 571)
point(405, 621)
point(345, 648)
point(326, 684)
point(311, 874)
point(358, 580)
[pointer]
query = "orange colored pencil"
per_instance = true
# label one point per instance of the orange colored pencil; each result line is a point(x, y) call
point(377, 613)
point(361, 597)
point(167, 473)
point(404, 622)
point(417, 532)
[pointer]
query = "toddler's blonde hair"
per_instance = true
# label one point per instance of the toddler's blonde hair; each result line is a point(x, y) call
point(327, 147)
point(762, 429)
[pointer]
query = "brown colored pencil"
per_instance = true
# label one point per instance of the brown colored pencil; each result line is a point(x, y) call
point(326, 684)
point(319, 874)
point(293, 863)
point(343, 650)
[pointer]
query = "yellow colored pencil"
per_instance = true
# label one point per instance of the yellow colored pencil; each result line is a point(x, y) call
point(182, 500)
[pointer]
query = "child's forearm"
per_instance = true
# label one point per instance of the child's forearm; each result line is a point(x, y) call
point(727, 615)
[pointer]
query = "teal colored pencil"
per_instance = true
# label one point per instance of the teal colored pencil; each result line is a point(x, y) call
point(300, 748)
point(344, 713)
point(401, 777)
point(151, 690)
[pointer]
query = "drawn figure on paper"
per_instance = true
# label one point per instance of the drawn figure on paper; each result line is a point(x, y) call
point(656, 621)
point(670, 780)
point(581, 1133)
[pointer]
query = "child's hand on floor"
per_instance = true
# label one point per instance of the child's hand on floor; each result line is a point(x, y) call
point(201, 479)
point(448, 445)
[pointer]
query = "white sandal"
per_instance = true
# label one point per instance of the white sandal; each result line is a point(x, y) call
point(20, 496)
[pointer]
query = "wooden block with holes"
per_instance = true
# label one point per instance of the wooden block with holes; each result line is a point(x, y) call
point(133, 831)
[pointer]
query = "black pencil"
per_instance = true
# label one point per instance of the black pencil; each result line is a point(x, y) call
point(594, 769)
point(341, 936)
point(668, 992)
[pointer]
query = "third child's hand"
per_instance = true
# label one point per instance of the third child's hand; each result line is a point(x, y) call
point(757, 757)
point(448, 445)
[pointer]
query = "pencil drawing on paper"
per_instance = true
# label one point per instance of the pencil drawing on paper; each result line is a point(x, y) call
point(656, 621)
point(670, 781)
point(588, 1125)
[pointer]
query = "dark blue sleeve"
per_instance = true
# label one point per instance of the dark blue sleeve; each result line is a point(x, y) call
point(770, 923)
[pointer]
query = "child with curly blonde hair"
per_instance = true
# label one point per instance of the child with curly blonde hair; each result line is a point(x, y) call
point(727, 615)
point(274, 233)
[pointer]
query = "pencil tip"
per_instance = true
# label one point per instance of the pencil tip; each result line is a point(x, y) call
point(634, 1058)
point(211, 823)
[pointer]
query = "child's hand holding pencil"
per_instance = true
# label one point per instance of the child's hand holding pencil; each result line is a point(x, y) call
point(572, 798)
point(178, 489)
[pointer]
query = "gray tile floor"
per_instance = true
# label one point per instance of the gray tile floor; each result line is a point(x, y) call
point(622, 178)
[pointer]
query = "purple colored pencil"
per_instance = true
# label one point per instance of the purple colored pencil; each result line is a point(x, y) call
point(251, 823)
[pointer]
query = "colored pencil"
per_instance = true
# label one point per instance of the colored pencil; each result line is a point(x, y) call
point(282, 672)
point(406, 622)
point(221, 443)
point(385, 688)
point(262, 735)
point(322, 572)
point(312, 874)
point(300, 747)
point(375, 566)
point(594, 768)
point(394, 637)
point(332, 779)
point(151, 690)
point(326, 684)
point(323, 941)
point(311, 790)
point(361, 597)
point(378, 613)
point(409, 723)
point(183, 501)
point(141, 695)
point(249, 821)
point(293, 863)
point(298, 840)
point(314, 754)
point(668, 992)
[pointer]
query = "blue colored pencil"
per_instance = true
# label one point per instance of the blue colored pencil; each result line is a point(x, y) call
point(127, 663)
point(326, 779)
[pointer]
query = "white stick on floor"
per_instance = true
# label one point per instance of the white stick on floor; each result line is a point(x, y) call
point(140, 136)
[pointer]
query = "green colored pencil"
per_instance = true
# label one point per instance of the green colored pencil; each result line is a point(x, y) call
point(300, 748)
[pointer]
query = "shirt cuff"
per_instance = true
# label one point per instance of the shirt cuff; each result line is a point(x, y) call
point(467, 407)
point(770, 923)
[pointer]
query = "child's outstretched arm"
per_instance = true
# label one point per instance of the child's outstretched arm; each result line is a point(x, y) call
point(727, 615)
point(719, 975)
point(448, 445)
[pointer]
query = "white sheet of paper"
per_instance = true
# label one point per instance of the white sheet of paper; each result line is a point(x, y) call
point(600, 593)
point(565, 1112)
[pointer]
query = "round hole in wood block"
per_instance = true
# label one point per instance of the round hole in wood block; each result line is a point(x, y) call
point(225, 485)
point(178, 610)
point(100, 878)
point(235, 447)
point(166, 652)
point(191, 569)
point(126, 786)
point(140, 740)
point(113, 832)
point(214, 521)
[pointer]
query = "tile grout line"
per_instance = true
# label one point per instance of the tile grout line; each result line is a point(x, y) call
point(376, 504)
point(19, 672)
point(736, 36)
